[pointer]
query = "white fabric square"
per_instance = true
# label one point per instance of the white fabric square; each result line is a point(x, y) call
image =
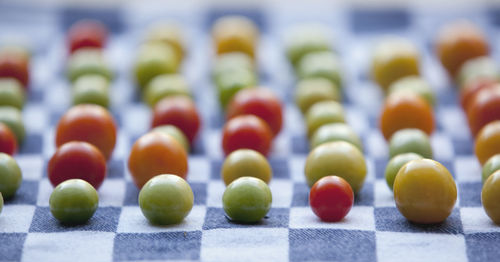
point(475, 219)
point(376, 146)
point(467, 169)
point(45, 188)
point(199, 169)
point(112, 192)
point(38, 116)
point(215, 190)
point(133, 221)
point(359, 218)
point(296, 167)
point(245, 244)
point(74, 246)
point(384, 197)
point(138, 119)
point(282, 190)
point(31, 166)
point(442, 147)
point(16, 218)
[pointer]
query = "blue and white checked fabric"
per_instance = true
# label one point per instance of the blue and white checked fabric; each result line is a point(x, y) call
point(373, 231)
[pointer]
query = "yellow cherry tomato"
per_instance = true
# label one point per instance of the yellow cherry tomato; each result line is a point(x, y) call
point(490, 197)
point(488, 142)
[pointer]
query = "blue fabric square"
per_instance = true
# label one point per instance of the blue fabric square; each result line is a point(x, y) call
point(380, 165)
point(33, 144)
point(300, 145)
point(216, 218)
point(115, 168)
point(470, 194)
point(371, 20)
point(12, 246)
point(300, 197)
point(216, 120)
point(198, 147)
point(111, 17)
point(105, 219)
point(200, 193)
point(279, 167)
point(157, 246)
point(131, 195)
point(215, 169)
point(25, 195)
point(365, 196)
point(483, 246)
point(254, 14)
point(389, 219)
point(463, 146)
point(54, 117)
point(331, 245)
point(36, 95)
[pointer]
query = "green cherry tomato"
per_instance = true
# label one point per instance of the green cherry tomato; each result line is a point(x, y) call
point(1, 202)
point(312, 90)
point(490, 196)
point(322, 113)
point(321, 64)
point(410, 140)
point(247, 200)
point(176, 133)
point(335, 132)
point(338, 158)
point(165, 85)
point(229, 62)
point(425, 191)
point(476, 68)
point(304, 39)
point(246, 162)
point(492, 165)
point(11, 93)
point(87, 61)
point(13, 118)
point(10, 176)
point(166, 199)
point(73, 201)
point(91, 89)
point(230, 83)
point(392, 168)
point(154, 59)
point(414, 84)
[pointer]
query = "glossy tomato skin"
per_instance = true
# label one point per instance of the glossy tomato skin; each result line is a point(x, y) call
point(471, 89)
point(246, 131)
point(484, 108)
point(178, 111)
point(15, 66)
point(77, 160)
point(90, 123)
point(8, 142)
point(487, 142)
point(406, 110)
point(87, 33)
point(260, 102)
point(156, 153)
point(331, 198)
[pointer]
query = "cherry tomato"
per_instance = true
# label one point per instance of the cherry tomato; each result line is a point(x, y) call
point(156, 153)
point(459, 42)
point(488, 142)
point(77, 160)
point(8, 142)
point(331, 198)
point(260, 102)
point(87, 33)
point(89, 123)
point(406, 110)
point(471, 89)
point(235, 34)
point(15, 65)
point(484, 108)
point(246, 131)
point(178, 111)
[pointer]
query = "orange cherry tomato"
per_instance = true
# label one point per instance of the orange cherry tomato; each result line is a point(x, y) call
point(178, 111)
point(77, 160)
point(459, 42)
point(156, 153)
point(89, 123)
point(8, 142)
point(484, 108)
point(471, 89)
point(87, 33)
point(406, 110)
point(15, 65)
point(246, 131)
point(488, 142)
point(260, 102)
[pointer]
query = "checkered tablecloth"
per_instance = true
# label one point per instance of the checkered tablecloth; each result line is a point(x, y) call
point(373, 230)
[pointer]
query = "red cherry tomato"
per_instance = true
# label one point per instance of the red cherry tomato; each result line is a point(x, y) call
point(484, 108)
point(472, 88)
point(331, 198)
point(179, 111)
point(89, 123)
point(154, 154)
point(15, 65)
point(87, 33)
point(77, 160)
point(8, 142)
point(246, 131)
point(260, 102)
